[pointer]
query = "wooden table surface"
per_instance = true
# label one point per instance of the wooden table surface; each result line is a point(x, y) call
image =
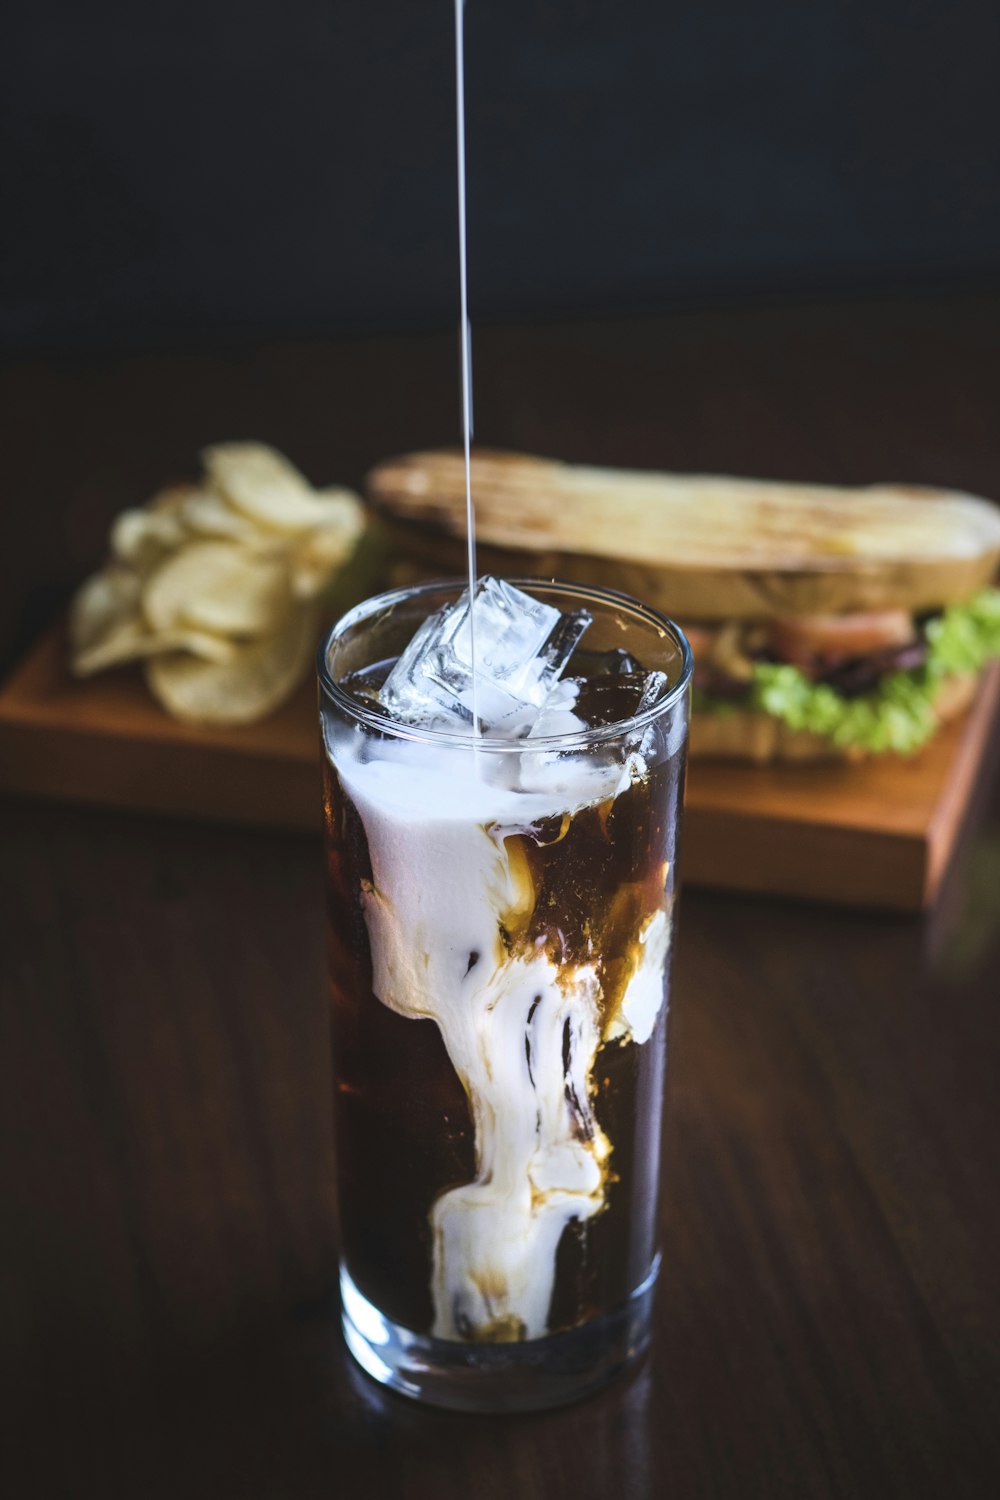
point(828, 1318)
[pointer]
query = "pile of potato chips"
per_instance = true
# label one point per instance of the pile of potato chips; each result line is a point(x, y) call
point(216, 586)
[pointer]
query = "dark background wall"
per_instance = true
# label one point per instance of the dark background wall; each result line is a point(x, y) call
point(226, 170)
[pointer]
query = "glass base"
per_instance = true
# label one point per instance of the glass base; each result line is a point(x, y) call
point(497, 1377)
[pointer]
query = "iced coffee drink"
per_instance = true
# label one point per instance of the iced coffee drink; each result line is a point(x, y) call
point(502, 866)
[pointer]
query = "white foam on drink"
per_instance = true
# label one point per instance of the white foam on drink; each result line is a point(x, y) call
point(521, 1030)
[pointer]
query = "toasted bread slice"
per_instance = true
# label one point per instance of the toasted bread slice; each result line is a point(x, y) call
point(698, 546)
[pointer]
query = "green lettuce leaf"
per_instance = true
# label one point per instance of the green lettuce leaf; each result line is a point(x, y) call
point(966, 636)
point(898, 715)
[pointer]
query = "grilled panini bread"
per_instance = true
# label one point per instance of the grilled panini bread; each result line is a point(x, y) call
point(825, 621)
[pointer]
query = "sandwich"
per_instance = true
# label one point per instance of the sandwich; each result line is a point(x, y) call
point(825, 622)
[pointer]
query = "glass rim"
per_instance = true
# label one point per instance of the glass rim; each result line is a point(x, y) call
point(375, 719)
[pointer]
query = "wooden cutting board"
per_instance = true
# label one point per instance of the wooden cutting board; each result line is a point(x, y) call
point(877, 834)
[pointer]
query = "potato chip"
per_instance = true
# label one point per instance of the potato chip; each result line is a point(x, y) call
point(209, 514)
point(341, 502)
point(142, 537)
point(104, 602)
point(321, 552)
point(263, 485)
point(211, 584)
point(258, 678)
point(219, 586)
point(342, 508)
point(132, 640)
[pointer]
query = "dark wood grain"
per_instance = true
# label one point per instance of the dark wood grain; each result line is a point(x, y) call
point(829, 1315)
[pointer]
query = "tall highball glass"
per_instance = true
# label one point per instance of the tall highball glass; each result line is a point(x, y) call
point(501, 915)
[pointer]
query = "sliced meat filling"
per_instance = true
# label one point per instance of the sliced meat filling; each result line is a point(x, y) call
point(852, 653)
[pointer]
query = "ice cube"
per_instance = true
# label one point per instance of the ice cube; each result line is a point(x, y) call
point(522, 646)
point(558, 715)
point(614, 663)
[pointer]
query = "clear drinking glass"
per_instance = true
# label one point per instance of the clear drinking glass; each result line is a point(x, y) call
point(500, 918)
